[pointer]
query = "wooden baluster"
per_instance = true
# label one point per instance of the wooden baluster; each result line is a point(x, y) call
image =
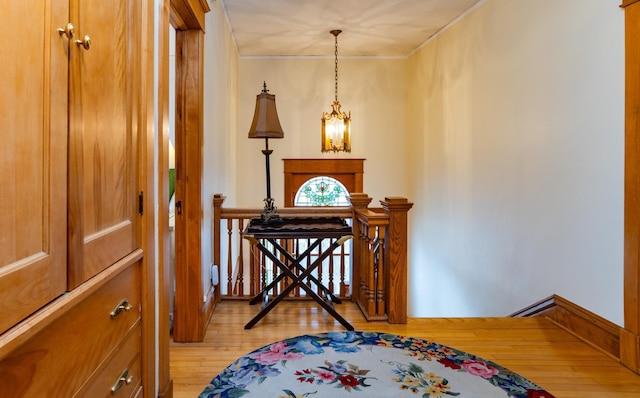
point(310, 259)
point(361, 265)
point(298, 246)
point(255, 270)
point(332, 270)
point(295, 252)
point(359, 201)
point(263, 268)
point(356, 262)
point(240, 282)
point(255, 266)
point(286, 244)
point(371, 274)
point(380, 267)
point(274, 275)
point(344, 288)
point(319, 270)
point(229, 257)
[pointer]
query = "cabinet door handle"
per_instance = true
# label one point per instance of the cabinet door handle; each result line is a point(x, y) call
point(124, 379)
point(179, 207)
point(66, 31)
point(85, 42)
point(123, 305)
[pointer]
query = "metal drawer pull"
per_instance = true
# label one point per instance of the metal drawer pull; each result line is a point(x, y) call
point(123, 305)
point(124, 378)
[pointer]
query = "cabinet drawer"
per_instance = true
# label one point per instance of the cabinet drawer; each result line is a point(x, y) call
point(59, 359)
point(120, 376)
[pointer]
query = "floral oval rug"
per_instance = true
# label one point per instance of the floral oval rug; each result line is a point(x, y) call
point(366, 364)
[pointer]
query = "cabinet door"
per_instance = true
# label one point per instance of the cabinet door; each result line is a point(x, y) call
point(103, 116)
point(33, 156)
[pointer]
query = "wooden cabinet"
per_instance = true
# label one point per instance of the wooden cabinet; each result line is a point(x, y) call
point(63, 356)
point(102, 203)
point(72, 263)
point(33, 159)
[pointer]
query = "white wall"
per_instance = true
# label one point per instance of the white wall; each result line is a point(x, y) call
point(515, 125)
point(372, 89)
point(509, 141)
point(220, 103)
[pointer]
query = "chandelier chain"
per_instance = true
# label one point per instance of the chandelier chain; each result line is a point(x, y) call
point(336, 66)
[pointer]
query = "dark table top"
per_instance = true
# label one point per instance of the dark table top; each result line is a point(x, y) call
point(299, 227)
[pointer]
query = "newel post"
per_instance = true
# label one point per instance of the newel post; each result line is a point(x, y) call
point(396, 258)
point(218, 199)
point(359, 201)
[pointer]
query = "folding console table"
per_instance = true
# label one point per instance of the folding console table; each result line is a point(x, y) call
point(298, 269)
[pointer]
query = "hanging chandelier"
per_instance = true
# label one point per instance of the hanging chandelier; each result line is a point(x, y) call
point(336, 125)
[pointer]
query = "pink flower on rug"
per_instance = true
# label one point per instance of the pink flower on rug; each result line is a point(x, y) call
point(277, 352)
point(479, 368)
point(326, 376)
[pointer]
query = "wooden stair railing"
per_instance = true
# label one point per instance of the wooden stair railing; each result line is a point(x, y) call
point(368, 282)
point(380, 258)
point(372, 273)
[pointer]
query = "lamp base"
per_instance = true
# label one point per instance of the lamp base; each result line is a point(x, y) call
point(270, 214)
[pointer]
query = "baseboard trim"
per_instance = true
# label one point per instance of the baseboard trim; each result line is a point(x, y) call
point(582, 323)
point(207, 308)
point(168, 391)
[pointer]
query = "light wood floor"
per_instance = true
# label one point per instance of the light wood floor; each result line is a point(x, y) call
point(532, 347)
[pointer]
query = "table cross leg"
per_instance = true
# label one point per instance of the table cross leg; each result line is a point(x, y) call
point(328, 293)
point(297, 280)
point(260, 297)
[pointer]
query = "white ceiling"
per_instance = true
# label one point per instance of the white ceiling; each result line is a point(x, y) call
point(392, 28)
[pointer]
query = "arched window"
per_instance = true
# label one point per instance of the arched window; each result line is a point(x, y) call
point(322, 191)
point(298, 172)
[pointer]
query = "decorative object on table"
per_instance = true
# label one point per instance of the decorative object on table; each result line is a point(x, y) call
point(267, 125)
point(367, 364)
point(336, 125)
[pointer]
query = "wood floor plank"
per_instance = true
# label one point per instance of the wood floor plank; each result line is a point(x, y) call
point(533, 347)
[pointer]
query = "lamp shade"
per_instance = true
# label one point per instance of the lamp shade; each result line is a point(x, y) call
point(265, 119)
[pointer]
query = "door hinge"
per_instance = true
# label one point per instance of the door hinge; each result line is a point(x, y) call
point(141, 202)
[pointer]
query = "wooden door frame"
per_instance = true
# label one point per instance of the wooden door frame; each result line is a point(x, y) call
point(187, 17)
point(165, 383)
point(630, 334)
point(150, 298)
point(182, 14)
